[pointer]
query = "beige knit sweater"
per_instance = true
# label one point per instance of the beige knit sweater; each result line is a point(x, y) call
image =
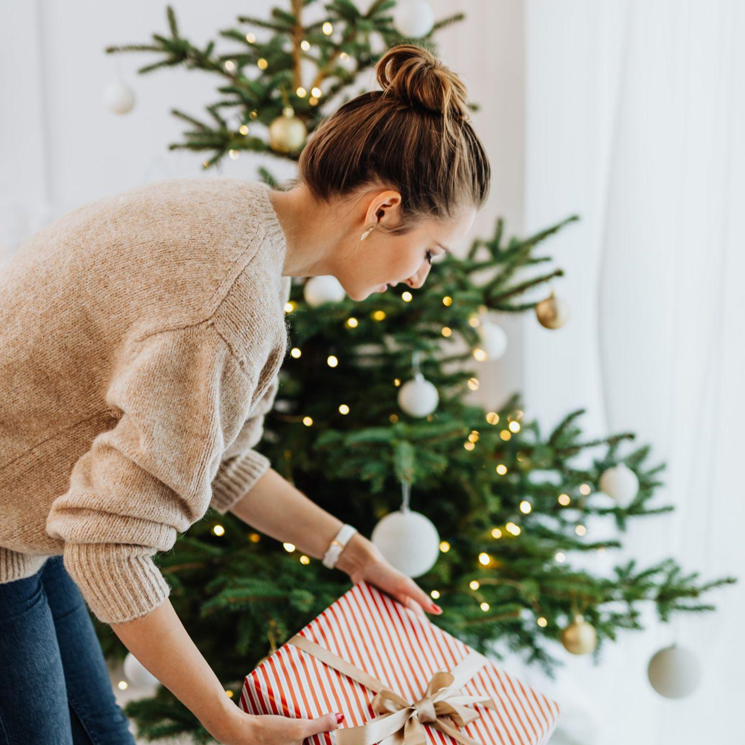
point(141, 337)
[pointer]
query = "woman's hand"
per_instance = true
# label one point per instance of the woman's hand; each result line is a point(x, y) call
point(269, 729)
point(365, 562)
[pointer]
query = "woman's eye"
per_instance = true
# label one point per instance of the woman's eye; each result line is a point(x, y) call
point(429, 256)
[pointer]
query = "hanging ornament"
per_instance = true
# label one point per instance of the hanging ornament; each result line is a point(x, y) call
point(674, 672)
point(418, 397)
point(119, 98)
point(579, 637)
point(493, 338)
point(553, 312)
point(408, 540)
point(413, 19)
point(137, 674)
point(620, 483)
point(287, 132)
point(325, 289)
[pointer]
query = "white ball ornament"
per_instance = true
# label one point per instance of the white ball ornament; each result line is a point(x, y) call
point(674, 672)
point(137, 674)
point(418, 397)
point(325, 289)
point(620, 483)
point(119, 98)
point(408, 540)
point(413, 18)
point(493, 339)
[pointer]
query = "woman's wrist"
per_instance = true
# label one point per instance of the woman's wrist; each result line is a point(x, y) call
point(358, 553)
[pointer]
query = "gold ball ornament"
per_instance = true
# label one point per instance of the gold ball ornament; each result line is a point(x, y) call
point(579, 637)
point(553, 312)
point(287, 133)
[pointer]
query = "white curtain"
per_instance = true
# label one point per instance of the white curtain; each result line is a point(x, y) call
point(635, 116)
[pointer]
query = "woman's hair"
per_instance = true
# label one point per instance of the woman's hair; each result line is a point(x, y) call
point(414, 135)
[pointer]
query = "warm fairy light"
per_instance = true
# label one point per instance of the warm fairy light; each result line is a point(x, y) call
point(542, 622)
point(473, 384)
point(263, 64)
point(484, 606)
point(307, 421)
point(243, 129)
point(205, 164)
point(468, 446)
point(525, 507)
point(512, 528)
point(344, 56)
point(289, 547)
point(484, 559)
point(444, 547)
point(289, 306)
point(474, 436)
point(352, 322)
point(492, 417)
point(474, 322)
point(407, 297)
point(505, 434)
point(560, 557)
point(585, 489)
point(301, 92)
point(393, 418)
point(447, 300)
point(474, 584)
point(233, 154)
point(254, 114)
point(327, 28)
point(496, 533)
point(514, 426)
point(250, 38)
point(254, 537)
point(313, 101)
point(122, 685)
point(295, 352)
point(564, 499)
point(397, 382)
point(317, 92)
point(332, 361)
point(501, 469)
point(447, 332)
point(229, 694)
point(379, 315)
point(230, 65)
point(344, 409)
point(479, 354)
point(580, 530)
point(304, 559)
point(218, 530)
point(305, 45)
point(435, 594)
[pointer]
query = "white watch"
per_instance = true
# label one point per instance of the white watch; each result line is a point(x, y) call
point(337, 545)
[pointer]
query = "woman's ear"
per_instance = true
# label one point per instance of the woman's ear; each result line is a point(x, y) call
point(384, 207)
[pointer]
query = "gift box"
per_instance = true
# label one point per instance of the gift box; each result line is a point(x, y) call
point(399, 680)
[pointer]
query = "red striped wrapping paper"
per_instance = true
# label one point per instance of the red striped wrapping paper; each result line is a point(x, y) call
point(371, 630)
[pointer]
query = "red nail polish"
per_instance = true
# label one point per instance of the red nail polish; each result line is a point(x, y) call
point(339, 717)
point(437, 608)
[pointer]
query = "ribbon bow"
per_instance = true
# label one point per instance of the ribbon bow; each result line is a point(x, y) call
point(401, 722)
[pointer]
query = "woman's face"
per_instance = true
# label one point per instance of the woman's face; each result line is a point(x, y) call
point(389, 258)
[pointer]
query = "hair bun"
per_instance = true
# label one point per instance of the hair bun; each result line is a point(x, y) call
point(414, 75)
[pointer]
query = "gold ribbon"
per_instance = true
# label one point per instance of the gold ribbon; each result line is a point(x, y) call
point(400, 722)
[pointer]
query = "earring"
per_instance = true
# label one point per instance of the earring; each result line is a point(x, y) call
point(366, 233)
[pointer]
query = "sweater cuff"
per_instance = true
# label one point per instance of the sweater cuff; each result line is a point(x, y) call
point(235, 478)
point(118, 583)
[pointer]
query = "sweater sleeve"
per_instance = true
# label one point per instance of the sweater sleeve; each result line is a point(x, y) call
point(242, 466)
point(180, 395)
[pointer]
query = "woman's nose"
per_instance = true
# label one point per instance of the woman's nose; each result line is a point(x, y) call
point(418, 279)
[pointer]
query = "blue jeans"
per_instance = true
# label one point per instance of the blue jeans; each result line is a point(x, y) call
point(54, 683)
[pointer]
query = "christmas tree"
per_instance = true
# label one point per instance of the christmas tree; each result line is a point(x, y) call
point(374, 418)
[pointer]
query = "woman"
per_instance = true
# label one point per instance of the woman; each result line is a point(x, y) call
point(142, 335)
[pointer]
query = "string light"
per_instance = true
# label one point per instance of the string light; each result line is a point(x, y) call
point(379, 315)
point(484, 606)
point(580, 530)
point(343, 56)
point(474, 322)
point(304, 559)
point(479, 354)
point(307, 421)
point(492, 417)
point(289, 307)
point(352, 323)
point(205, 164)
point(393, 418)
point(496, 533)
point(332, 361)
point(327, 28)
point(560, 557)
point(444, 547)
point(473, 384)
point(564, 499)
point(514, 426)
point(250, 38)
point(243, 129)
point(474, 584)
point(344, 409)
point(484, 559)
point(233, 154)
point(525, 507)
point(512, 528)
point(505, 435)
point(474, 436)
point(313, 101)
point(317, 92)
point(218, 530)
point(262, 64)
point(435, 594)
point(122, 685)
point(300, 92)
point(585, 489)
point(468, 446)
point(305, 45)
point(289, 547)
point(542, 622)
point(447, 332)
point(229, 694)
point(397, 382)
point(254, 114)
point(295, 352)
point(407, 297)
point(501, 469)
point(254, 537)
point(447, 300)
point(230, 65)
